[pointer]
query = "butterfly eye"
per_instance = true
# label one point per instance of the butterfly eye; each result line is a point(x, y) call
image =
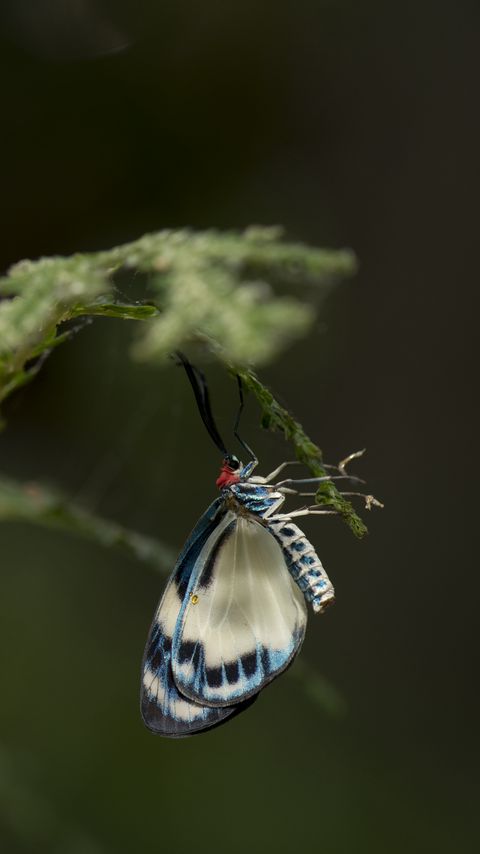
point(232, 462)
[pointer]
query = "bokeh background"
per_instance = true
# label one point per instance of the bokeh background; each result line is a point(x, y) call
point(353, 124)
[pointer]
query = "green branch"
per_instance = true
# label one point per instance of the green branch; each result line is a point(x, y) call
point(275, 417)
point(210, 287)
point(39, 505)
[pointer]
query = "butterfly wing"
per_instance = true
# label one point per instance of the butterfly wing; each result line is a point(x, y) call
point(243, 618)
point(164, 709)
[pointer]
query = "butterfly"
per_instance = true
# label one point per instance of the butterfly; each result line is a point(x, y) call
point(233, 614)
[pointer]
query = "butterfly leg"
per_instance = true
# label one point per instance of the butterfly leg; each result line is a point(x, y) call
point(276, 472)
point(341, 467)
point(370, 500)
point(304, 481)
point(305, 511)
point(247, 471)
point(271, 510)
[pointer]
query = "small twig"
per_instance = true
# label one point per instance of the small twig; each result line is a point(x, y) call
point(344, 463)
point(275, 417)
point(37, 504)
point(370, 500)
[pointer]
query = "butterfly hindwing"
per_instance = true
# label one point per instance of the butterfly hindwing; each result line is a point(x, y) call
point(164, 709)
point(243, 618)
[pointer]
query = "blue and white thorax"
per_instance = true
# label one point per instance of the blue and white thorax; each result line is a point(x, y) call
point(233, 614)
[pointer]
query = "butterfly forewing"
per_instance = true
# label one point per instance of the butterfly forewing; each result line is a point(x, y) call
point(243, 618)
point(164, 709)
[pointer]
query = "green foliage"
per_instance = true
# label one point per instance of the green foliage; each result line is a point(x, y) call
point(208, 287)
point(275, 417)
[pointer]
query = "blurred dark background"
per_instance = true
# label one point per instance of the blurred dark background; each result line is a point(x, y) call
point(352, 124)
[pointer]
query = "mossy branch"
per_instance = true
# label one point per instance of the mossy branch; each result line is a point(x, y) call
point(213, 287)
point(275, 417)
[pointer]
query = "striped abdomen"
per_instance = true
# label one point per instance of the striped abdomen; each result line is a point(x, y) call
point(304, 564)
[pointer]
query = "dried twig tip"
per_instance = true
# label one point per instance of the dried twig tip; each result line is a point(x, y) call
point(355, 456)
point(371, 501)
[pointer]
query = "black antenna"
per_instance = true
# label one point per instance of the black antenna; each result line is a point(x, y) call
point(237, 420)
point(200, 390)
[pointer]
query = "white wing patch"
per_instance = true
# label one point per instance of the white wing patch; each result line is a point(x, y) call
point(168, 609)
point(243, 619)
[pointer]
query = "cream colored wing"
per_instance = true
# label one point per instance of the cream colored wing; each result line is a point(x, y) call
point(243, 618)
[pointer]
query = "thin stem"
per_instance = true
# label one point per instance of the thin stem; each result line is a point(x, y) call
point(275, 417)
point(33, 503)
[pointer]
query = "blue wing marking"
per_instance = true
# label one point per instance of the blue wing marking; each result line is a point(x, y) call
point(164, 709)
